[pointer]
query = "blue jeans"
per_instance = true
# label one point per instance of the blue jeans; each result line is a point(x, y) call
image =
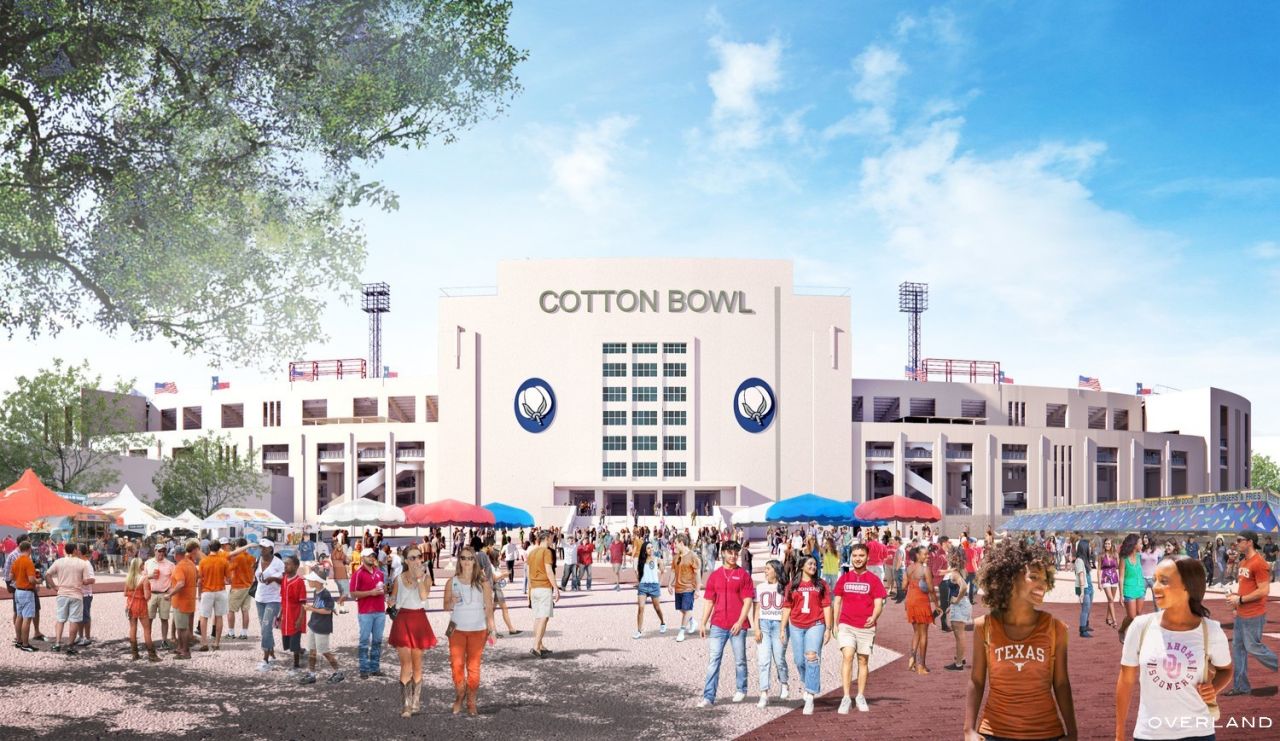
point(715, 642)
point(769, 653)
point(370, 654)
point(1086, 604)
point(267, 613)
point(1246, 642)
point(808, 640)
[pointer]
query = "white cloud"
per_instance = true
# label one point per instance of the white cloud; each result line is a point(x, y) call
point(746, 71)
point(1267, 250)
point(879, 69)
point(585, 173)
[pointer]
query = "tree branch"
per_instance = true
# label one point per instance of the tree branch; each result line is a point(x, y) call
point(33, 129)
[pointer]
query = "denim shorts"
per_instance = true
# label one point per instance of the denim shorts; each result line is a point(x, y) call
point(649, 590)
point(684, 601)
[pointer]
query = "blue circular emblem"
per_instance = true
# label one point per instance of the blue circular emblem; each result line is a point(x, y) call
point(535, 405)
point(754, 405)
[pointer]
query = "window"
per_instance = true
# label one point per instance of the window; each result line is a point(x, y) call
point(644, 442)
point(270, 414)
point(168, 419)
point(673, 442)
point(400, 409)
point(432, 409)
point(675, 393)
point(673, 370)
point(614, 469)
point(973, 408)
point(315, 408)
point(645, 393)
point(674, 418)
point(615, 393)
point(614, 370)
point(648, 469)
point(857, 409)
point(644, 419)
point(613, 419)
point(615, 348)
point(192, 418)
point(673, 348)
point(232, 416)
point(615, 442)
point(644, 348)
point(673, 468)
point(1018, 413)
point(923, 407)
point(1055, 415)
point(887, 409)
point(1097, 418)
point(1120, 419)
point(644, 370)
point(364, 407)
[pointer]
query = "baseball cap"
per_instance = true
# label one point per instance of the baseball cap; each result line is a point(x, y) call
point(266, 543)
point(1249, 535)
point(315, 577)
point(161, 547)
point(368, 553)
point(224, 541)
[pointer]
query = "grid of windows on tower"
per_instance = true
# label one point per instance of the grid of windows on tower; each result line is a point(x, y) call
point(673, 370)
point(644, 419)
point(614, 468)
point(675, 393)
point(673, 442)
point(674, 418)
point(615, 442)
point(614, 370)
point(645, 393)
point(644, 370)
point(673, 348)
point(644, 442)
point(615, 418)
point(615, 348)
point(644, 348)
point(646, 469)
point(615, 393)
point(673, 468)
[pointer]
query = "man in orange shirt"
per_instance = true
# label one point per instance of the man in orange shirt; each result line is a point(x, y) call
point(182, 597)
point(240, 568)
point(1250, 603)
point(213, 592)
point(24, 595)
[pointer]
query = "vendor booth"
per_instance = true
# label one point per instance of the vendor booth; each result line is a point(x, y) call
point(133, 516)
point(29, 506)
point(242, 522)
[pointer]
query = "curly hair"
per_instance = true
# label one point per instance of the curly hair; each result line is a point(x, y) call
point(1006, 562)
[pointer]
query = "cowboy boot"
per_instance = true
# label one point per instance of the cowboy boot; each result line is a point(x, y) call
point(151, 653)
point(404, 699)
point(133, 647)
point(415, 698)
point(460, 694)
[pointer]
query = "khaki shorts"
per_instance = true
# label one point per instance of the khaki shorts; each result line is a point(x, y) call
point(213, 604)
point(318, 642)
point(159, 604)
point(182, 620)
point(859, 639)
point(239, 600)
point(542, 602)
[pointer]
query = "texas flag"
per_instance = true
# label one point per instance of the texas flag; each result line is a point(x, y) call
point(388, 373)
point(1004, 378)
point(1143, 391)
point(219, 385)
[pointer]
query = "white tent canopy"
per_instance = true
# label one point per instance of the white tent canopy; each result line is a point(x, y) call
point(133, 515)
point(752, 515)
point(242, 514)
point(361, 513)
point(188, 520)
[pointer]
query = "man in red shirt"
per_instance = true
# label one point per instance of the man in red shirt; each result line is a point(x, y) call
point(877, 554)
point(1250, 604)
point(293, 595)
point(616, 550)
point(859, 599)
point(938, 554)
point(586, 549)
point(368, 591)
point(729, 594)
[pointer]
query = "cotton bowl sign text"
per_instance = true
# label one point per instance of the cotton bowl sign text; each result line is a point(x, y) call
point(644, 302)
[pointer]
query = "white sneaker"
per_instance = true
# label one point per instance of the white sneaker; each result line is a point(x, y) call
point(703, 703)
point(662, 628)
point(808, 704)
point(638, 634)
point(739, 696)
point(264, 666)
point(764, 700)
point(680, 636)
point(845, 704)
point(784, 693)
point(861, 702)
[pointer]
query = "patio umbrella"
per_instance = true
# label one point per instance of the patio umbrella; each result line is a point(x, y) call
point(898, 509)
point(361, 513)
point(810, 508)
point(448, 512)
point(757, 515)
point(506, 517)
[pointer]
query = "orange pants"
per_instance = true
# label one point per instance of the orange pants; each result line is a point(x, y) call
point(465, 649)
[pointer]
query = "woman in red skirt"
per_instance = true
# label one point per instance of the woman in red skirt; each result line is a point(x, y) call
point(411, 634)
point(921, 608)
point(137, 593)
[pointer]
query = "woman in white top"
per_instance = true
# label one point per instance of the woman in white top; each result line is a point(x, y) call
point(648, 586)
point(470, 598)
point(411, 633)
point(1178, 657)
point(768, 631)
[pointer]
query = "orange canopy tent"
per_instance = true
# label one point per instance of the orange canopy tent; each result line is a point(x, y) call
point(29, 500)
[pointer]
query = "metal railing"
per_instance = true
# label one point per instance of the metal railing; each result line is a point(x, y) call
point(879, 453)
point(331, 455)
point(917, 453)
point(960, 454)
point(1013, 455)
point(409, 453)
point(275, 455)
point(372, 453)
point(1106, 457)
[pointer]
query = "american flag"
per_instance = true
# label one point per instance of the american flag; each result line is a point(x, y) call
point(166, 387)
point(219, 385)
point(297, 374)
point(1143, 391)
point(1004, 378)
point(909, 372)
point(1089, 382)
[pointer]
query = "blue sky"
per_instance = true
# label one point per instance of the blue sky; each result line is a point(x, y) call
point(1089, 188)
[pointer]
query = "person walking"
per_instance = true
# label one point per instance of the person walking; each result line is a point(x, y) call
point(159, 573)
point(268, 573)
point(182, 597)
point(1083, 568)
point(293, 600)
point(369, 591)
point(686, 575)
point(487, 560)
point(770, 653)
point(137, 598)
point(569, 564)
point(1178, 658)
point(1019, 651)
point(213, 570)
point(617, 551)
point(22, 576)
point(586, 556)
point(469, 598)
point(510, 554)
point(1250, 603)
point(68, 575)
point(1149, 557)
point(921, 608)
point(543, 592)
point(411, 632)
point(960, 609)
point(729, 595)
point(1132, 584)
point(320, 629)
point(1109, 576)
point(648, 587)
point(830, 564)
point(240, 569)
point(807, 626)
point(858, 601)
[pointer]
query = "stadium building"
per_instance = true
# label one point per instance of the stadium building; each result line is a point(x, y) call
point(669, 388)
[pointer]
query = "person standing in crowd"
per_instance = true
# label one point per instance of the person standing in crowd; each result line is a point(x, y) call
point(68, 575)
point(921, 608)
point(1250, 603)
point(86, 591)
point(617, 551)
point(1132, 584)
point(469, 598)
point(586, 553)
point(859, 600)
point(1178, 657)
point(269, 573)
point(21, 575)
point(543, 592)
point(1019, 651)
point(293, 600)
point(369, 592)
point(972, 556)
point(240, 569)
point(899, 564)
point(1084, 584)
point(182, 597)
point(487, 560)
point(320, 629)
point(648, 587)
point(1109, 576)
point(213, 595)
point(939, 562)
point(807, 625)
point(159, 572)
point(685, 579)
point(830, 563)
point(569, 565)
point(137, 599)
point(729, 594)
point(961, 609)
point(770, 652)
point(1149, 557)
point(341, 574)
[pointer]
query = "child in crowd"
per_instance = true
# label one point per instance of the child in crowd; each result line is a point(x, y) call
point(320, 624)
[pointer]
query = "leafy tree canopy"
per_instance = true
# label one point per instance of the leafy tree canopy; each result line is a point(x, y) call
point(178, 168)
point(207, 474)
point(1265, 473)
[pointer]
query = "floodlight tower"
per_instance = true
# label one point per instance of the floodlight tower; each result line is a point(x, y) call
point(913, 300)
point(377, 301)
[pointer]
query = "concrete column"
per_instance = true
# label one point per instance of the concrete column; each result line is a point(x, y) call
point(1038, 474)
point(987, 470)
point(1131, 478)
point(940, 483)
point(1166, 469)
point(900, 465)
point(389, 461)
point(1089, 472)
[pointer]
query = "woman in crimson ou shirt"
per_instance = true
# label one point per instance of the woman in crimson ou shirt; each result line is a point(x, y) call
point(807, 624)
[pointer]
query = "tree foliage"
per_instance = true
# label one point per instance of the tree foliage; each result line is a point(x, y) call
point(179, 168)
point(207, 474)
point(1264, 473)
point(59, 424)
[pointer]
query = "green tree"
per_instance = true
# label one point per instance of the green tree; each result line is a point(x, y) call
point(207, 474)
point(63, 424)
point(1264, 473)
point(179, 168)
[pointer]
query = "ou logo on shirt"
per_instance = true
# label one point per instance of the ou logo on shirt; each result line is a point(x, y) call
point(857, 587)
point(770, 601)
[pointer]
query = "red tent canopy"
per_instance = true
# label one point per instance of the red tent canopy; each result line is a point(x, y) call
point(897, 509)
point(29, 500)
point(447, 512)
